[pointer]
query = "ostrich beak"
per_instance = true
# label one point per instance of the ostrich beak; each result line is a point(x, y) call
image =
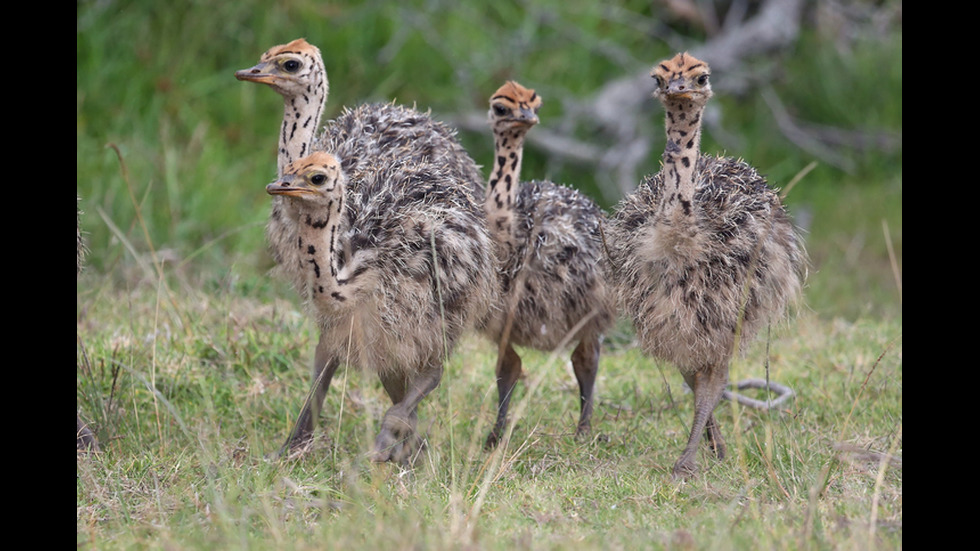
point(259, 74)
point(282, 187)
point(528, 117)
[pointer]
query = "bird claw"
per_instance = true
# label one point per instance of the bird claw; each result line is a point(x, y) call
point(685, 468)
point(397, 441)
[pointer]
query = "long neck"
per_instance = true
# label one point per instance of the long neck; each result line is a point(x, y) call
point(300, 121)
point(319, 250)
point(505, 178)
point(681, 155)
point(301, 118)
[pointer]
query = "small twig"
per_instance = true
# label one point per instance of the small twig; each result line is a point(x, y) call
point(883, 468)
point(157, 264)
point(796, 179)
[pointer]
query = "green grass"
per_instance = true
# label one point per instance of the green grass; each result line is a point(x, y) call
point(204, 390)
point(193, 362)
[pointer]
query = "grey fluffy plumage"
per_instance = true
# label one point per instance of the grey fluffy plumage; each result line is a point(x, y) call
point(733, 270)
point(378, 136)
point(704, 254)
point(558, 263)
point(374, 133)
point(418, 239)
point(373, 136)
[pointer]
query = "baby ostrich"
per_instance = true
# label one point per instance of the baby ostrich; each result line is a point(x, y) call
point(704, 253)
point(395, 266)
point(364, 138)
point(84, 438)
point(549, 245)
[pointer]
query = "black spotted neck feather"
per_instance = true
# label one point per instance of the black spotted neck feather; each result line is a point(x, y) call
point(504, 183)
point(512, 113)
point(303, 111)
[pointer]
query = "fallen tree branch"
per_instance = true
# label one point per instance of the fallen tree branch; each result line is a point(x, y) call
point(825, 142)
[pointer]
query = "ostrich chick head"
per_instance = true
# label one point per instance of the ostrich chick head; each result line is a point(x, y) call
point(316, 180)
point(513, 107)
point(289, 69)
point(682, 78)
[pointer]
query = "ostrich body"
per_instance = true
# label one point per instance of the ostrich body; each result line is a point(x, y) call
point(549, 245)
point(396, 264)
point(705, 254)
point(373, 142)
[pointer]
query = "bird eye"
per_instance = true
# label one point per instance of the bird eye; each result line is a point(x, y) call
point(318, 179)
point(702, 80)
point(499, 110)
point(659, 81)
point(291, 65)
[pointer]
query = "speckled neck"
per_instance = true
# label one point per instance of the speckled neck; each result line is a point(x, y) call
point(318, 242)
point(301, 119)
point(505, 178)
point(681, 154)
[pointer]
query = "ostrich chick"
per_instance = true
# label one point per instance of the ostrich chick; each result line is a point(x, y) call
point(395, 272)
point(705, 253)
point(549, 244)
